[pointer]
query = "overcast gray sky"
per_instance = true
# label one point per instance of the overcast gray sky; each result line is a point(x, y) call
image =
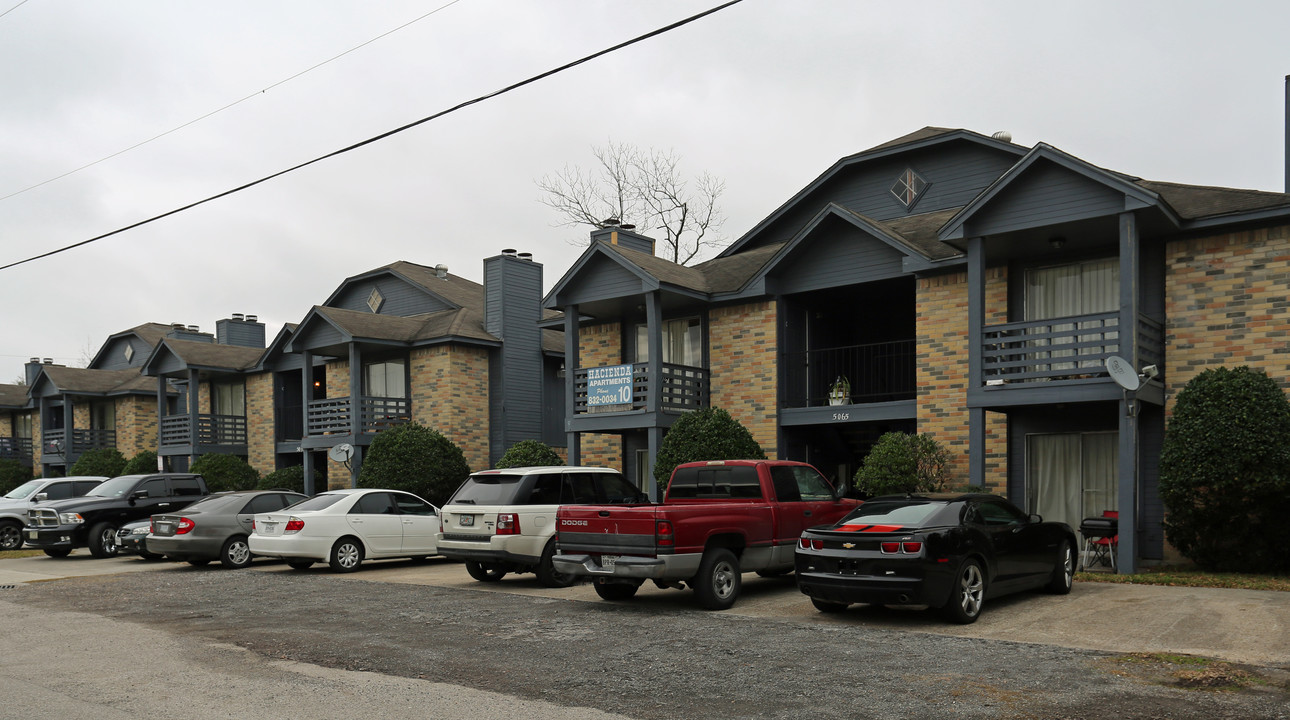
point(766, 94)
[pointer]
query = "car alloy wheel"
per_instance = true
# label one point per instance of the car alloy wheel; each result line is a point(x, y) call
point(346, 555)
point(10, 536)
point(236, 553)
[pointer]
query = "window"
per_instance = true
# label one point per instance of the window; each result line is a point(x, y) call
point(682, 342)
point(155, 488)
point(58, 491)
point(734, 481)
point(1072, 476)
point(908, 187)
point(412, 505)
point(1082, 288)
point(185, 486)
point(267, 503)
point(374, 504)
point(385, 378)
point(22, 425)
point(228, 398)
point(997, 514)
point(103, 415)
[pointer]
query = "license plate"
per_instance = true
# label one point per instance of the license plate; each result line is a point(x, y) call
point(607, 561)
point(33, 534)
point(466, 520)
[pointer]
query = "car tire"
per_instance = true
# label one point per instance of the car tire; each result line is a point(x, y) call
point(102, 540)
point(1064, 571)
point(548, 575)
point(346, 555)
point(484, 572)
point(199, 562)
point(236, 553)
point(58, 552)
point(718, 581)
point(300, 564)
point(616, 592)
point(967, 594)
point(10, 536)
point(825, 606)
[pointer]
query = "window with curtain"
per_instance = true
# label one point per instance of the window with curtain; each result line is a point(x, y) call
point(1083, 288)
point(1072, 476)
point(385, 378)
point(228, 398)
point(682, 342)
point(22, 425)
point(103, 415)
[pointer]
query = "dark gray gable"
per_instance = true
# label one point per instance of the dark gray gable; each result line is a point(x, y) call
point(837, 249)
point(601, 277)
point(112, 356)
point(164, 361)
point(399, 297)
point(316, 331)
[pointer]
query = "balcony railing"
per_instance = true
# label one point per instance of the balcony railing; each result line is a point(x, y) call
point(877, 372)
point(82, 440)
point(211, 430)
point(333, 416)
point(681, 387)
point(1068, 349)
point(16, 448)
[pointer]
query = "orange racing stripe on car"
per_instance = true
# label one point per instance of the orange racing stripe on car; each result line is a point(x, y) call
point(870, 528)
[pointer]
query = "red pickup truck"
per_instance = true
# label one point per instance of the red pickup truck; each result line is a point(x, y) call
point(718, 520)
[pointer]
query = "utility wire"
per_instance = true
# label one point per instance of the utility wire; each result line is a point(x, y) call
point(226, 107)
point(395, 131)
point(15, 7)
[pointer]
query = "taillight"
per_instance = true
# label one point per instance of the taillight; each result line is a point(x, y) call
point(508, 524)
point(664, 535)
point(810, 543)
point(911, 548)
point(294, 525)
point(804, 543)
point(152, 525)
point(185, 525)
point(907, 547)
point(890, 548)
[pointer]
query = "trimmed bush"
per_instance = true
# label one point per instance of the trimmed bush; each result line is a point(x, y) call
point(416, 459)
point(108, 462)
point(12, 474)
point(530, 453)
point(225, 472)
point(707, 434)
point(1225, 472)
point(290, 478)
point(143, 463)
point(903, 463)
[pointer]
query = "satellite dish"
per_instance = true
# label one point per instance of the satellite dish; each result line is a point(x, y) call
point(1123, 373)
point(343, 452)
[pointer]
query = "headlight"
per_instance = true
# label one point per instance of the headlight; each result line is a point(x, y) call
point(140, 530)
point(71, 518)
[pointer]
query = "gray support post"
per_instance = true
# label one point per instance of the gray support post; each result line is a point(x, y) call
point(161, 412)
point(1126, 557)
point(355, 392)
point(655, 435)
point(42, 422)
point(574, 445)
point(307, 394)
point(194, 394)
point(654, 373)
point(976, 324)
point(355, 464)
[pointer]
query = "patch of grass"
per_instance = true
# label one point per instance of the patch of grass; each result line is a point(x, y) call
point(1187, 671)
point(1188, 576)
point(7, 554)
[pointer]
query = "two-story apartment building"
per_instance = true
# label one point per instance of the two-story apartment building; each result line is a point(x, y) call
point(961, 285)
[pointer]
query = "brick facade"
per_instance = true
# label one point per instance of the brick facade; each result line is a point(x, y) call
point(136, 425)
point(1226, 305)
point(743, 359)
point(598, 346)
point(260, 429)
point(942, 372)
point(449, 386)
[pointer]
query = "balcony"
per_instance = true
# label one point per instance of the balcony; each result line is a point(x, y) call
point(211, 430)
point(1070, 350)
point(681, 387)
point(878, 372)
point(82, 440)
point(16, 448)
point(334, 416)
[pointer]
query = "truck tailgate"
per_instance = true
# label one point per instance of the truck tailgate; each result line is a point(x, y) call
point(605, 529)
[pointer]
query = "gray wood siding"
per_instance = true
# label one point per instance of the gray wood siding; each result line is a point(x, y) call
point(400, 297)
point(512, 307)
point(1045, 194)
point(836, 255)
point(956, 174)
point(320, 334)
point(603, 278)
point(114, 357)
point(169, 364)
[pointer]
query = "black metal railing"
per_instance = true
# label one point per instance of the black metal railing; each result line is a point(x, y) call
point(1069, 348)
point(681, 387)
point(875, 372)
point(16, 448)
point(81, 440)
point(211, 430)
point(334, 416)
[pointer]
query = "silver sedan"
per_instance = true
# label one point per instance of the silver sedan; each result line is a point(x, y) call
point(215, 527)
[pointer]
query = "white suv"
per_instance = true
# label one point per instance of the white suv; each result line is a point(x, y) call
point(503, 521)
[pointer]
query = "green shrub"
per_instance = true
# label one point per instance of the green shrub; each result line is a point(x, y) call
point(1225, 472)
point(707, 434)
point(225, 472)
point(143, 463)
point(903, 463)
point(12, 474)
point(530, 453)
point(290, 478)
point(416, 459)
point(108, 462)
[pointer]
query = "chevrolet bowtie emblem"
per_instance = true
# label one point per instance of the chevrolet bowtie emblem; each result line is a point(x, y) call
point(848, 545)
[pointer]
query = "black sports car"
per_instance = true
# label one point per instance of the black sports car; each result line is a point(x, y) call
point(947, 551)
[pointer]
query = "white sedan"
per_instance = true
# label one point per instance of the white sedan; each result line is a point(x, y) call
point(342, 527)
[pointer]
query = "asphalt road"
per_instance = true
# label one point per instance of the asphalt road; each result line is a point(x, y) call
point(422, 639)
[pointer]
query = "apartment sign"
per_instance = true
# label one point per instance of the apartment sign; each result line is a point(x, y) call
point(610, 385)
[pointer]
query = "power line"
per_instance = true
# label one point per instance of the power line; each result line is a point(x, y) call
point(226, 107)
point(388, 133)
point(15, 7)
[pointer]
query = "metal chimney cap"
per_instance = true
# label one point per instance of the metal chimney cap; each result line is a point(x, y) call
point(508, 252)
point(1002, 136)
point(252, 318)
point(237, 316)
point(526, 256)
point(49, 361)
point(441, 271)
point(35, 360)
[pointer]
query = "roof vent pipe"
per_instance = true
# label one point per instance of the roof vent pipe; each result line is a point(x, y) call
point(1003, 136)
point(508, 252)
point(35, 360)
point(194, 328)
point(441, 271)
point(238, 317)
point(49, 361)
point(252, 318)
point(526, 256)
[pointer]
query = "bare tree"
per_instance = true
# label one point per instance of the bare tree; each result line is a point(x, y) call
point(644, 188)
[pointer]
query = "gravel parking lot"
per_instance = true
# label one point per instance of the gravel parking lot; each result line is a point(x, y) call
point(661, 658)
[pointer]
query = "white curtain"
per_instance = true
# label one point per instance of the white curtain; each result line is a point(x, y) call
point(1072, 476)
point(1065, 290)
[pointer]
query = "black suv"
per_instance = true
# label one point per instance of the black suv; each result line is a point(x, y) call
point(59, 526)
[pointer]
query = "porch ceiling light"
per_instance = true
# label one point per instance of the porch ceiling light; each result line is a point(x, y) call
point(1056, 242)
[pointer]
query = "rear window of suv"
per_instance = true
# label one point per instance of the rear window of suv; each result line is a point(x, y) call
point(569, 488)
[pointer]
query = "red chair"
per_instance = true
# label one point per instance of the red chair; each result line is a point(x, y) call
point(1101, 538)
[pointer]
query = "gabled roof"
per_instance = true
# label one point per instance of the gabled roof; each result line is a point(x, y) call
point(205, 356)
point(461, 324)
point(1194, 202)
point(13, 396)
point(150, 333)
point(452, 289)
point(86, 381)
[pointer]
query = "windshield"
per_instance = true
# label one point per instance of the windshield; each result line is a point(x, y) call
point(905, 513)
point(317, 502)
point(116, 487)
point(214, 502)
point(24, 489)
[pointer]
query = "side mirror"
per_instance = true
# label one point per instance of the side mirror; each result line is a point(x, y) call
point(139, 495)
point(839, 492)
point(40, 497)
point(1036, 518)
